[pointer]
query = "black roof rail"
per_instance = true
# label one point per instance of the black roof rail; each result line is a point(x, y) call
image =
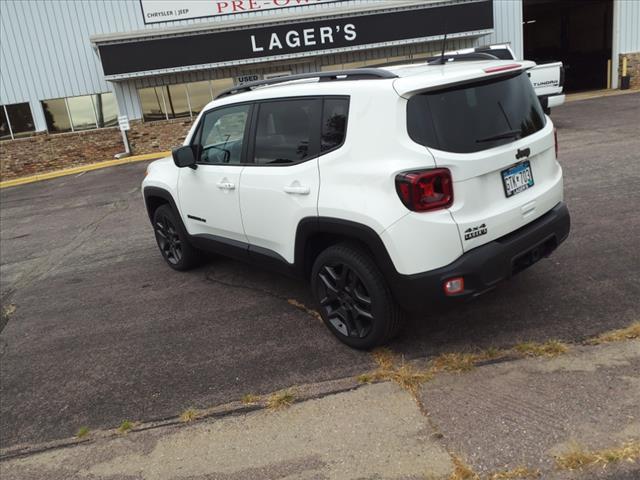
point(413, 61)
point(353, 74)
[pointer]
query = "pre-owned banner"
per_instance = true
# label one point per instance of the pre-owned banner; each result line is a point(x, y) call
point(158, 11)
point(297, 37)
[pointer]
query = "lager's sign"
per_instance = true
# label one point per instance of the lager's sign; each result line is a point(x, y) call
point(304, 36)
point(158, 11)
point(292, 39)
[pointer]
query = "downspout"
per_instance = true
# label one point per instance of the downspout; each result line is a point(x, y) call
point(615, 44)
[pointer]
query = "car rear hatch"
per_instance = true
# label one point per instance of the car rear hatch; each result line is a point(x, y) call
point(491, 133)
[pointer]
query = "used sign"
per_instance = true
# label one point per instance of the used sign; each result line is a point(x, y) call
point(247, 78)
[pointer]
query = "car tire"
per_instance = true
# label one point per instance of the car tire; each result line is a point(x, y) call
point(354, 299)
point(173, 241)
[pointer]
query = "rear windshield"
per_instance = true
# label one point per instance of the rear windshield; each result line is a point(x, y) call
point(474, 117)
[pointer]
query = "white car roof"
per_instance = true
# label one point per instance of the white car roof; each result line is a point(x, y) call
point(413, 78)
point(408, 78)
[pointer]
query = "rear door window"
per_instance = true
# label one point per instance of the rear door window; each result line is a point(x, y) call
point(288, 131)
point(474, 117)
point(334, 123)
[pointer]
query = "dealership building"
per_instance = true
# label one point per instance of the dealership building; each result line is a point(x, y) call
point(70, 68)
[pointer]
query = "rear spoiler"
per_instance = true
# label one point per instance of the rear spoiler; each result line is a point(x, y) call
point(422, 82)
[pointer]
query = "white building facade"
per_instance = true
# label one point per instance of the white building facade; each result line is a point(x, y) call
point(71, 65)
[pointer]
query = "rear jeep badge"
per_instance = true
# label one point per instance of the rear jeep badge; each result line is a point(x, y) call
point(473, 232)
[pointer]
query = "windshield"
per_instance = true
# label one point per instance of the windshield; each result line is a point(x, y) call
point(473, 117)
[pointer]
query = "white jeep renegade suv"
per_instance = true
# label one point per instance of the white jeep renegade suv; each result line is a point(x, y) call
point(389, 189)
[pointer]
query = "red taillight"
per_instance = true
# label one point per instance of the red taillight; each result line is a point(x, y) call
point(425, 190)
point(555, 139)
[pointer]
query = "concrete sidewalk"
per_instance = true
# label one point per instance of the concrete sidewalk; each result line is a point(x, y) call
point(499, 417)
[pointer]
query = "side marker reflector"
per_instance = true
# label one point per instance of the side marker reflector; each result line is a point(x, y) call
point(454, 286)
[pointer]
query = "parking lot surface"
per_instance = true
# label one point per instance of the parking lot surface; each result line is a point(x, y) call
point(104, 331)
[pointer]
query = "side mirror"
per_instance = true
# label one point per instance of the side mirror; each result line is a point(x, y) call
point(184, 157)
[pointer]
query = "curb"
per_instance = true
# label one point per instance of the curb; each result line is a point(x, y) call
point(303, 393)
point(81, 168)
point(577, 97)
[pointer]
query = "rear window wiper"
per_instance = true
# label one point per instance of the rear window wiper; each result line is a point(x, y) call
point(500, 136)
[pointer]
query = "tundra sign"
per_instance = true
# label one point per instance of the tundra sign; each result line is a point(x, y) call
point(158, 11)
point(301, 37)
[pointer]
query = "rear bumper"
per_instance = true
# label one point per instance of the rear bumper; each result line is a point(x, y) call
point(485, 266)
point(552, 101)
point(555, 100)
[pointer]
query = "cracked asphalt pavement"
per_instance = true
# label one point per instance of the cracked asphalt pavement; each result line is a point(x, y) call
point(104, 331)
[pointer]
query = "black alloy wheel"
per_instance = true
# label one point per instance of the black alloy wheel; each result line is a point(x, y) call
point(168, 239)
point(354, 299)
point(173, 240)
point(345, 300)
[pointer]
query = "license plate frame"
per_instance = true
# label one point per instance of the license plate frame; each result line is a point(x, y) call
point(509, 178)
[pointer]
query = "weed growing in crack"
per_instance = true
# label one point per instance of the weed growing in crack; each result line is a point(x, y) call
point(384, 358)
point(301, 306)
point(492, 353)
point(461, 471)
point(629, 333)
point(7, 311)
point(516, 473)
point(577, 457)
point(280, 400)
point(188, 415)
point(406, 375)
point(409, 377)
point(125, 426)
point(455, 362)
point(249, 399)
point(550, 348)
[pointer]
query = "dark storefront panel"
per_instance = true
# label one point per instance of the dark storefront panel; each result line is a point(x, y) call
point(198, 49)
point(577, 32)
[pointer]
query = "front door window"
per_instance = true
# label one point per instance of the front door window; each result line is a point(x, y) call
point(221, 136)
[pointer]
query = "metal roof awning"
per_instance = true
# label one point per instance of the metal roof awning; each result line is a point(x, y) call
point(218, 44)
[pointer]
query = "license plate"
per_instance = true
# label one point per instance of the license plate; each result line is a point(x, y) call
point(517, 179)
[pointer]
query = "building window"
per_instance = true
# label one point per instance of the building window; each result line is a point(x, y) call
point(199, 95)
point(56, 115)
point(153, 104)
point(16, 121)
point(179, 101)
point(80, 113)
point(106, 109)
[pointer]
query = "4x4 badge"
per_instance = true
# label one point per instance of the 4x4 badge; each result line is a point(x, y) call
point(474, 232)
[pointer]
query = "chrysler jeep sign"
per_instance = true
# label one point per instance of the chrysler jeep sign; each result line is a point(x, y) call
point(158, 11)
point(223, 46)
